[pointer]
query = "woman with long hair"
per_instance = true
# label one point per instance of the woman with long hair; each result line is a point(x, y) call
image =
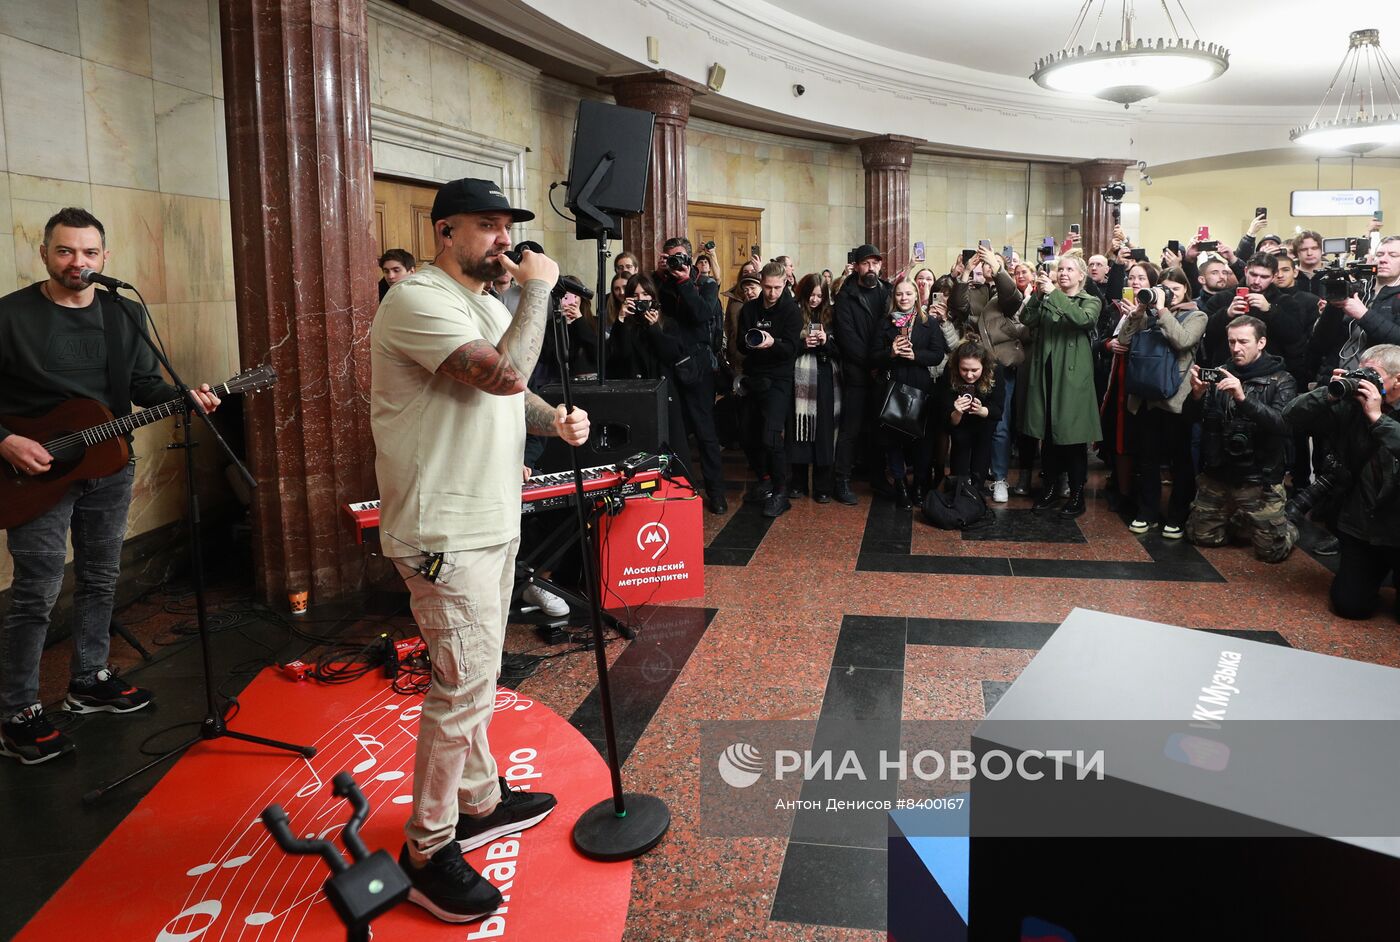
point(1119, 423)
point(1163, 433)
point(904, 345)
point(1061, 409)
point(971, 402)
point(816, 397)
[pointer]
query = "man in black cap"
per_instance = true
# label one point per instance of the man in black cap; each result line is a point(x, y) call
point(449, 410)
point(864, 298)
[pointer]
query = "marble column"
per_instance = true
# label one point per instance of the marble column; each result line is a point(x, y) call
point(887, 160)
point(296, 86)
point(668, 96)
point(1097, 216)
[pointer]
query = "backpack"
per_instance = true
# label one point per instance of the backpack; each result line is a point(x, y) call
point(1152, 371)
point(963, 508)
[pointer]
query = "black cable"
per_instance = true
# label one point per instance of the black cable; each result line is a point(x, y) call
point(552, 187)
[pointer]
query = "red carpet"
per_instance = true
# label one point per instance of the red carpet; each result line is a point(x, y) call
point(193, 863)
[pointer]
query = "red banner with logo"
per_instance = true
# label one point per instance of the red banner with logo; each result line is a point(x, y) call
point(653, 551)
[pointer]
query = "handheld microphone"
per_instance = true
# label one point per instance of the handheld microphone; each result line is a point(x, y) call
point(91, 277)
point(568, 284)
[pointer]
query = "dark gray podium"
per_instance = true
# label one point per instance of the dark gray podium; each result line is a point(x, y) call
point(1242, 789)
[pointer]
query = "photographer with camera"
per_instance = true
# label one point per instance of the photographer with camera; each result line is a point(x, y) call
point(771, 328)
point(860, 306)
point(1357, 411)
point(1243, 445)
point(692, 312)
point(1348, 323)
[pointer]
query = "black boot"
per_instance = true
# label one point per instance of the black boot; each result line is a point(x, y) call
point(1075, 506)
point(917, 490)
point(777, 504)
point(901, 496)
point(843, 493)
point(1047, 499)
point(716, 502)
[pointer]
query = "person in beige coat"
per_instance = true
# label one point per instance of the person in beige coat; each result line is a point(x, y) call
point(1163, 433)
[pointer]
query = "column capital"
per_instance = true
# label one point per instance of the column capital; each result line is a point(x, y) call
point(663, 93)
point(1097, 173)
point(888, 151)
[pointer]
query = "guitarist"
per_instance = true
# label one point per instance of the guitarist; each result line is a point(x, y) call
point(62, 339)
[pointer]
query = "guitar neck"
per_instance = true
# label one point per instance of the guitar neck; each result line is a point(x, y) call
point(127, 423)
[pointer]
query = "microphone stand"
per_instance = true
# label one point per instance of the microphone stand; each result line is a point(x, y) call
point(213, 726)
point(630, 824)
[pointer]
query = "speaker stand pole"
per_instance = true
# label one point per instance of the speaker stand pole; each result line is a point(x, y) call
point(630, 824)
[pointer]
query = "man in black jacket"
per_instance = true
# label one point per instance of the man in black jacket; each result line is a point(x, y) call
point(1288, 323)
point(864, 298)
point(62, 339)
point(770, 327)
point(1308, 306)
point(693, 313)
point(1365, 436)
point(1243, 447)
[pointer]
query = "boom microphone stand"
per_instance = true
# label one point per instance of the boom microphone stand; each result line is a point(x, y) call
point(629, 824)
point(213, 726)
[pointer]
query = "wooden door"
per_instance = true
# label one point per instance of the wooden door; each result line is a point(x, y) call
point(403, 217)
point(733, 229)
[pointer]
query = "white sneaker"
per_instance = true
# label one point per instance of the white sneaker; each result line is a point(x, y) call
point(546, 601)
point(1000, 495)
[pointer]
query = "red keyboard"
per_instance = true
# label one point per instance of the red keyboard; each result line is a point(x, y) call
point(540, 492)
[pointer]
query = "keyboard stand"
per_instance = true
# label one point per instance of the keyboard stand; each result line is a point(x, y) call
point(547, 553)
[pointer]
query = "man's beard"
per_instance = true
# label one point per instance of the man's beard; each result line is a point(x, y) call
point(869, 280)
point(72, 282)
point(486, 268)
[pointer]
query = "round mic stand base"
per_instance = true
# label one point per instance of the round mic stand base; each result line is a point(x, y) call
point(603, 834)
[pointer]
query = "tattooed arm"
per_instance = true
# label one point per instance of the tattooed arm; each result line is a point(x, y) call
point(543, 419)
point(503, 370)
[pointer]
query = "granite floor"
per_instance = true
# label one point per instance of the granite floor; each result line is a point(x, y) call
point(827, 615)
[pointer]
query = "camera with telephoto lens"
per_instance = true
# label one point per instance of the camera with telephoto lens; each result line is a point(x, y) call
point(679, 262)
point(1347, 384)
point(1239, 439)
point(1340, 282)
point(1331, 479)
point(753, 337)
point(1226, 441)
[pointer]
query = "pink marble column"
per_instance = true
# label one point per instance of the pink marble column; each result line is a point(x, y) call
point(668, 96)
point(1097, 225)
point(887, 160)
point(296, 86)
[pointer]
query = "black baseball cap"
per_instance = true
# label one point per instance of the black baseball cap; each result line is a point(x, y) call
point(474, 196)
point(864, 252)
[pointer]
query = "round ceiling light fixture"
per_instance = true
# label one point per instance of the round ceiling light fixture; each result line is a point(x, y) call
point(1367, 112)
point(1127, 69)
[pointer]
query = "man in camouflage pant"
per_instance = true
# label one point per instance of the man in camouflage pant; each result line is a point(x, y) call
point(1239, 492)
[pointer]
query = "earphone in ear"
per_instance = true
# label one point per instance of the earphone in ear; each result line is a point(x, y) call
point(446, 230)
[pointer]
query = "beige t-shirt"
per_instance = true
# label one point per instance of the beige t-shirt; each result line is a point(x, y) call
point(448, 456)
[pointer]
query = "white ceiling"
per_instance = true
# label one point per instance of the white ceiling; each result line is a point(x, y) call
point(1282, 52)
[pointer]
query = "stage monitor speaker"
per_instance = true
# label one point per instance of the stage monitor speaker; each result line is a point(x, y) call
point(624, 134)
point(625, 416)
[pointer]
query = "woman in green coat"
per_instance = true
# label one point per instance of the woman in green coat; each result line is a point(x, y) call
point(1061, 408)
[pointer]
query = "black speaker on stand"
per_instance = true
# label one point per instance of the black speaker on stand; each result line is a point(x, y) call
point(626, 416)
point(607, 180)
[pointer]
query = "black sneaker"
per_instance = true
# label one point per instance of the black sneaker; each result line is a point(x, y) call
point(31, 738)
point(106, 694)
point(776, 505)
point(448, 887)
point(517, 811)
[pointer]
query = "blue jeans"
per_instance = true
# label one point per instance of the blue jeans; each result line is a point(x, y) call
point(1001, 438)
point(96, 512)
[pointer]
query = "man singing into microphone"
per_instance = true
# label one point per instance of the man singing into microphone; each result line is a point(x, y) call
point(449, 411)
point(63, 339)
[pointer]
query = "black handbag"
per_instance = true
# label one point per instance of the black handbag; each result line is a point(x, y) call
point(905, 409)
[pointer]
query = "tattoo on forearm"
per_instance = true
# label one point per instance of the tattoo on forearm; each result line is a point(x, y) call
point(502, 370)
point(539, 416)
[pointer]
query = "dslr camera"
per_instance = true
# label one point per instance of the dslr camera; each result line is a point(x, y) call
point(1347, 384)
point(641, 305)
point(679, 262)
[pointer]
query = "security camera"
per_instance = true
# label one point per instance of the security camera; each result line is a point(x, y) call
point(799, 90)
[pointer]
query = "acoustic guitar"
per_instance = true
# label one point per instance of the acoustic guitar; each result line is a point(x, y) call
point(87, 442)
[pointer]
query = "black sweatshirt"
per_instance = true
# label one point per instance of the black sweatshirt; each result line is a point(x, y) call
point(50, 354)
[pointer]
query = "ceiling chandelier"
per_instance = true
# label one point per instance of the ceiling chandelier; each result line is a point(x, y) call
point(1126, 70)
point(1361, 121)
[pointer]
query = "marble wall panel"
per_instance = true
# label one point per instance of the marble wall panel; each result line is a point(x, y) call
point(405, 71)
point(185, 138)
point(51, 23)
point(116, 33)
point(194, 255)
point(44, 129)
point(7, 263)
point(135, 236)
point(451, 87)
point(32, 201)
point(488, 102)
point(121, 127)
point(182, 44)
point(216, 51)
point(6, 219)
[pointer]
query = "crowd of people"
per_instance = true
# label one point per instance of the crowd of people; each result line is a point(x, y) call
point(1178, 373)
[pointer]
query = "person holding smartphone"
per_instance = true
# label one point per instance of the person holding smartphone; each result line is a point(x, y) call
point(905, 344)
point(811, 429)
point(972, 398)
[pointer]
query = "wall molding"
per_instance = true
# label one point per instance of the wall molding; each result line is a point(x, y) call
point(387, 126)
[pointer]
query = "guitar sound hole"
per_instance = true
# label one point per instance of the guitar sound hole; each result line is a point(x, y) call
point(68, 456)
